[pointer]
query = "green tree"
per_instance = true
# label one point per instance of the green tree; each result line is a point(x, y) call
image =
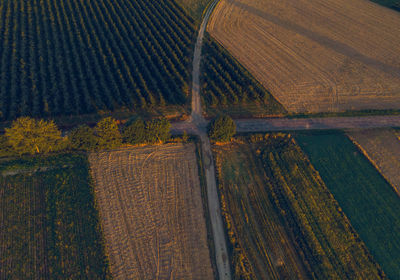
point(83, 138)
point(108, 134)
point(27, 135)
point(135, 133)
point(158, 130)
point(222, 129)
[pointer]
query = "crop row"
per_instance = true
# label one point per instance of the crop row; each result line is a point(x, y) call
point(77, 56)
point(225, 81)
point(328, 242)
point(49, 227)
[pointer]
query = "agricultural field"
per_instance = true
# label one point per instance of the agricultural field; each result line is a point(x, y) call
point(315, 55)
point(229, 88)
point(382, 148)
point(268, 191)
point(49, 226)
point(77, 57)
point(152, 213)
point(369, 202)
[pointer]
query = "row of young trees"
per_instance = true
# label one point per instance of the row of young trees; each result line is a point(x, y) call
point(77, 56)
point(30, 136)
point(225, 81)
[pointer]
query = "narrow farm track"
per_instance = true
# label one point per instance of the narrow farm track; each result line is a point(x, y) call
point(279, 124)
point(198, 125)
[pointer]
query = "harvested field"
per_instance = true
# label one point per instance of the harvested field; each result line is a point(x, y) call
point(282, 221)
point(369, 202)
point(382, 147)
point(152, 214)
point(316, 55)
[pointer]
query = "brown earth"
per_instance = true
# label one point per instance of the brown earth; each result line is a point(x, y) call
point(382, 147)
point(316, 55)
point(151, 211)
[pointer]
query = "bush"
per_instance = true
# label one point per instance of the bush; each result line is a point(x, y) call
point(222, 129)
point(158, 130)
point(108, 134)
point(135, 133)
point(28, 135)
point(83, 138)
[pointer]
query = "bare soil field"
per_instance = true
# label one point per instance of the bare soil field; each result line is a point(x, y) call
point(382, 148)
point(151, 211)
point(316, 55)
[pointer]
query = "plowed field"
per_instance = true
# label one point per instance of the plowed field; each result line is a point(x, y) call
point(316, 55)
point(152, 214)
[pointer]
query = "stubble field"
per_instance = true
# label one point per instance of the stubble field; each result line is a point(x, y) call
point(151, 210)
point(316, 55)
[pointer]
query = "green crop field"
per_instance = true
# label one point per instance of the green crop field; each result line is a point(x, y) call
point(79, 56)
point(49, 226)
point(367, 199)
point(282, 221)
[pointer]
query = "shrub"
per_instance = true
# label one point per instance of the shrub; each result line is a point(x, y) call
point(135, 133)
point(222, 129)
point(108, 134)
point(83, 138)
point(158, 130)
point(28, 135)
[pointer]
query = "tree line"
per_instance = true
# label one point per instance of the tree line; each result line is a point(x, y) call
point(31, 136)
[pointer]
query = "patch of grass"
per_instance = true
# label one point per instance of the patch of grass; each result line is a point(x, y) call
point(367, 199)
point(49, 227)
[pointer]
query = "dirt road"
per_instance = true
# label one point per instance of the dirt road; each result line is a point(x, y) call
point(249, 125)
point(278, 124)
point(197, 125)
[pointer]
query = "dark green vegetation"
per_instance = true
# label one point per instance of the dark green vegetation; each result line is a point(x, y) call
point(78, 56)
point(49, 226)
point(222, 129)
point(152, 131)
point(227, 86)
point(367, 199)
point(282, 220)
point(393, 4)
